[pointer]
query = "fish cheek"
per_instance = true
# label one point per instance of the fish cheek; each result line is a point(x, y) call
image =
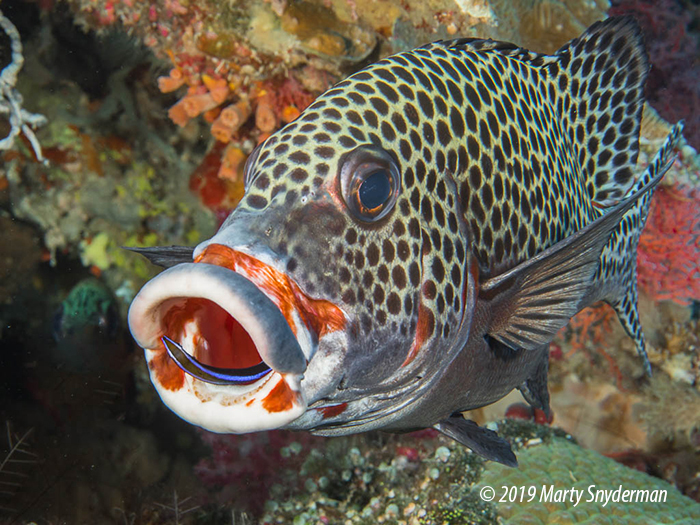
point(313, 239)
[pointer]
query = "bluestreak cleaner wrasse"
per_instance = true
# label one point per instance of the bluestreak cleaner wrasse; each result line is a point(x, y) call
point(409, 246)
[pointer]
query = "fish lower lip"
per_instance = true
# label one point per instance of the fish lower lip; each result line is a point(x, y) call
point(212, 374)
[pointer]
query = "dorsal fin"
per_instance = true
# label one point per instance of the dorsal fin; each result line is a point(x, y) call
point(165, 256)
point(599, 78)
point(480, 45)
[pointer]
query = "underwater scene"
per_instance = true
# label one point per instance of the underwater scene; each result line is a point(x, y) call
point(349, 262)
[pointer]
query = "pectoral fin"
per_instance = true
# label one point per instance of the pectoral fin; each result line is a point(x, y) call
point(165, 256)
point(483, 441)
point(531, 302)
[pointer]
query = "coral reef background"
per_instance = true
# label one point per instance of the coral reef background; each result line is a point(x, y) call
point(127, 123)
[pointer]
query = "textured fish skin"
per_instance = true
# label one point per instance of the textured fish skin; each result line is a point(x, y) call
point(517, 206)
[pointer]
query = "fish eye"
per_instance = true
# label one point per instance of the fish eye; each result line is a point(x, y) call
point(248, 168)
point(369, 183)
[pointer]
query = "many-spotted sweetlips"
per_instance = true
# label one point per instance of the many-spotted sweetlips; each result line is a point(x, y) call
point(408, 247)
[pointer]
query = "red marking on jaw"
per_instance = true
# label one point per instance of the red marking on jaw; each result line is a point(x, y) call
point(319, 315)
point(280, 399)
point(426, 319)
point(424, 329)
point(333, 410)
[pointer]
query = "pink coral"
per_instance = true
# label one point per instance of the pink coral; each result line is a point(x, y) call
point(669, 249)
point(244, 467)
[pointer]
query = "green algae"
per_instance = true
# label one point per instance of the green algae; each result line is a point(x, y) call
point(563, 465)
point(88, 303)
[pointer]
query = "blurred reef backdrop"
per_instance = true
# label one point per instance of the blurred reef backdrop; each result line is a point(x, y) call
point(127, 123)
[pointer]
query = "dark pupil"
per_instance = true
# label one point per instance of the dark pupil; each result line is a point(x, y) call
point(375, 190)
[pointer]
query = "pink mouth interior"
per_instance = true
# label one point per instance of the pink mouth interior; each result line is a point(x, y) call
point(220, 341)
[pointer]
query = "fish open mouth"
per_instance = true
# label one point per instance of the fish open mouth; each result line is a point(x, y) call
point(228, 338)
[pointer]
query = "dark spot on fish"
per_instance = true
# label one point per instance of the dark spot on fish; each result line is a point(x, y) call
point(354, 117)
point(299, 175)
point(439, 214)
point(367, 279)
point(473, 97)
point(357, 133)
point(471, 119)
point(340, 102)
point(379, 104)
point(414, 228)
point(308, 117)
point(378, 294)
point(388, 132)
point(263, 181)
point(405, 149)
point(440, 161)
point(325, 152)
point(484, 134)
point(435, 238)
point(429, 290)
point(371, 118)
point(331, 126)
point(428, 133)
point(404, 75)
point(443, 133)
point(623, 175)
point(426, 105)
point(387, 91)
point(257, 201)
point(346, 142)
point(398, 276)
point(357, 98)
point(399, 123)
point(477, 209)
point(348, 297)
point(388, 251)
point(385, 74)
point(402, 250)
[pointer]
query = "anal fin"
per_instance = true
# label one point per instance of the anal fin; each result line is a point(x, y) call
point(483, 441)
point(535, 389)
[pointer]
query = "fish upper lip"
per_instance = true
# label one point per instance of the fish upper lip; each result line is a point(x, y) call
point(161, 309)
point(309, 318)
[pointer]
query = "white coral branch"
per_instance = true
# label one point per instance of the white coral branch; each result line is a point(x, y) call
point(18, 454)
point(21, 120)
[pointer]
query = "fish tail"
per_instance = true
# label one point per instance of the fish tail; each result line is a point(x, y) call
point(618, 269)
point(598, 81)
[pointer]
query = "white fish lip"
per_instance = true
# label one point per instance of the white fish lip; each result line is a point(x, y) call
point(214, 294)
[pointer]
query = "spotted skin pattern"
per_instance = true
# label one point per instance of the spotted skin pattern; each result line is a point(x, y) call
point(524, 149)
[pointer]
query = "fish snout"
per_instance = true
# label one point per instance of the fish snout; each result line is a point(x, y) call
point(220, 352)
